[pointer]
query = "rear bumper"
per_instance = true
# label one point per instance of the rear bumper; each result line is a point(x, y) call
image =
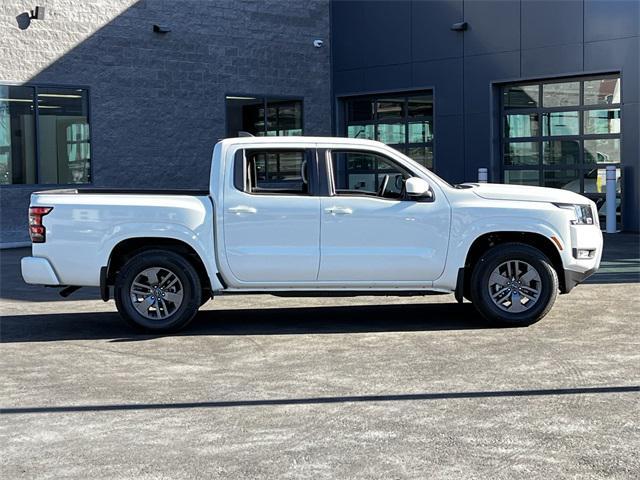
point(573, 278)
point(38, 271)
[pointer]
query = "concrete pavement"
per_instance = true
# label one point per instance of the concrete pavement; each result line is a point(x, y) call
point(367, 387)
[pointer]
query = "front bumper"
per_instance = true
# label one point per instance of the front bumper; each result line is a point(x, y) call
point(38, 271)
point(573, 278)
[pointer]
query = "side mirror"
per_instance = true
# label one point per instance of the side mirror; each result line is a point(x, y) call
point(418, 188)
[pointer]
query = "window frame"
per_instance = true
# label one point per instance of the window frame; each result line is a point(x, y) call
point(36, 131)
point(265, 100)
point(330, 179)
point(240, 180)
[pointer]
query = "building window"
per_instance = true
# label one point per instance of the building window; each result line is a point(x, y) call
point(404, 122)
point(262, 116)
point(44, 135)
point(562, 133)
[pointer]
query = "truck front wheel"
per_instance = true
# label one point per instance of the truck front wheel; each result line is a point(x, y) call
point(514, 284)
point(157, 291)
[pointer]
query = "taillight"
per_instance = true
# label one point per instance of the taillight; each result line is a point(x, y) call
point(37, 232)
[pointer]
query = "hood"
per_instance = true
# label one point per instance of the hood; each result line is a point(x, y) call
point(499, 191)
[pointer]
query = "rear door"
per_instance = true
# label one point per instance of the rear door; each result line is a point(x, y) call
point(272, 216)
point(371, 232)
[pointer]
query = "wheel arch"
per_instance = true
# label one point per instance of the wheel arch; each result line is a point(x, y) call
point(489, 240)
point(126, 249)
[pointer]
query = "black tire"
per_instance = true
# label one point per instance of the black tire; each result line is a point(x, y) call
point(189, 280)
point(494, 258)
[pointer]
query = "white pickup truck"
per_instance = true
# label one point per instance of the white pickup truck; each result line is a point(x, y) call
point(310, 216)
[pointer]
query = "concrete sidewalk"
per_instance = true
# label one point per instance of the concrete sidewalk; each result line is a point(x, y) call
point(367, 387)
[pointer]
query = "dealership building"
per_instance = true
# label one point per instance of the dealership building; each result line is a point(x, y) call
point(134, 94)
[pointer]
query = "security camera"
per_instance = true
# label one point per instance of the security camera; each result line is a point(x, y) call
point(318, 43)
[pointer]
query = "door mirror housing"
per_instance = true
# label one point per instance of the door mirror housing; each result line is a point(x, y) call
point(418, 188)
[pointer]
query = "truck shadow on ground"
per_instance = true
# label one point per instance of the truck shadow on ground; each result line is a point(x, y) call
point(266, 321)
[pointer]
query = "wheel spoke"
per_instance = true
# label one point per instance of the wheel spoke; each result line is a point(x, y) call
point(174, 298)
point(499, 293)
point(497, 279)
point(531, 274)
point(143, 306)
point(516, 304)
point(152, 275)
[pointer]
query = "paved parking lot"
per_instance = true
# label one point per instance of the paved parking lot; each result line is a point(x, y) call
point(368, 387)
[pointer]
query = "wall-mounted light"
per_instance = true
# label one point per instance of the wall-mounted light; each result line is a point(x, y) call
point(318, 43)
point(161, 29)
point(37, 13)
point(460, 27)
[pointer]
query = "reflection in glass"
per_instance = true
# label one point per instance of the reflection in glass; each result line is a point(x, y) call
point(391, 133)
point(565, 179)
point(602, 121)
point(64, 134)
point(360, 110)
point(422, 155)
point(391, 109)
point(284, 117)
point(420, 132)
point(560, 123)
point(361, 131)
point(602, 92)
point(561, 94)
point(17, 138)
point(602, 150)
point(522, 177)
point(561, 152)
point(521, 153)
point(420, 106)
point(521, 125)
point(521, 96)
point(362, 173)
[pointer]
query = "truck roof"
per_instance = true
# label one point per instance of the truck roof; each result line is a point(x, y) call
point(298, 139)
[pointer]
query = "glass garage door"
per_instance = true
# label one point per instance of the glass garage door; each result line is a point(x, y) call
point(562, 134)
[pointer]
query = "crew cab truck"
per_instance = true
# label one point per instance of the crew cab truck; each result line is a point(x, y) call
point(309, 216)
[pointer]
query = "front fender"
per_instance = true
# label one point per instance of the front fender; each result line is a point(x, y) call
point(465, 232)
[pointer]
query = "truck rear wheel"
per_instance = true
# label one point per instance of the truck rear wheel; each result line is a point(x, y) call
point(157, 291)
point(514, 284)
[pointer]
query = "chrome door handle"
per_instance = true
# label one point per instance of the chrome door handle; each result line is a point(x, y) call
point(338, 211)
point(242, 209)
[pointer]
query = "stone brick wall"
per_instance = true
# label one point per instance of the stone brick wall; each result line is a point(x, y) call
point(157, 101)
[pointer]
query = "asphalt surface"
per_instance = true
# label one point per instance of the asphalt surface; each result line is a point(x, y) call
point(367, 387)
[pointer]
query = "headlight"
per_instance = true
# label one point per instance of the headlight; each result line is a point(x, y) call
point(583, 215)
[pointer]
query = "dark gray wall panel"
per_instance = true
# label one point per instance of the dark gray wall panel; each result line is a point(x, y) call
point(551, 22)
point(477, 151)
point(348, 81)
point(432, 37)
point(388, 77)
point(631, 162)
point(623, 55)
point(371, 33)
point(552, 61)
point(446, 77)
point(608, 19)
point(384, 47)
point(480, 71)
point(494, 26)
point(450, 147)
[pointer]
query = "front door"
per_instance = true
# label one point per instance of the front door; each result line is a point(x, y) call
point(371, 232)
point(272, 218)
